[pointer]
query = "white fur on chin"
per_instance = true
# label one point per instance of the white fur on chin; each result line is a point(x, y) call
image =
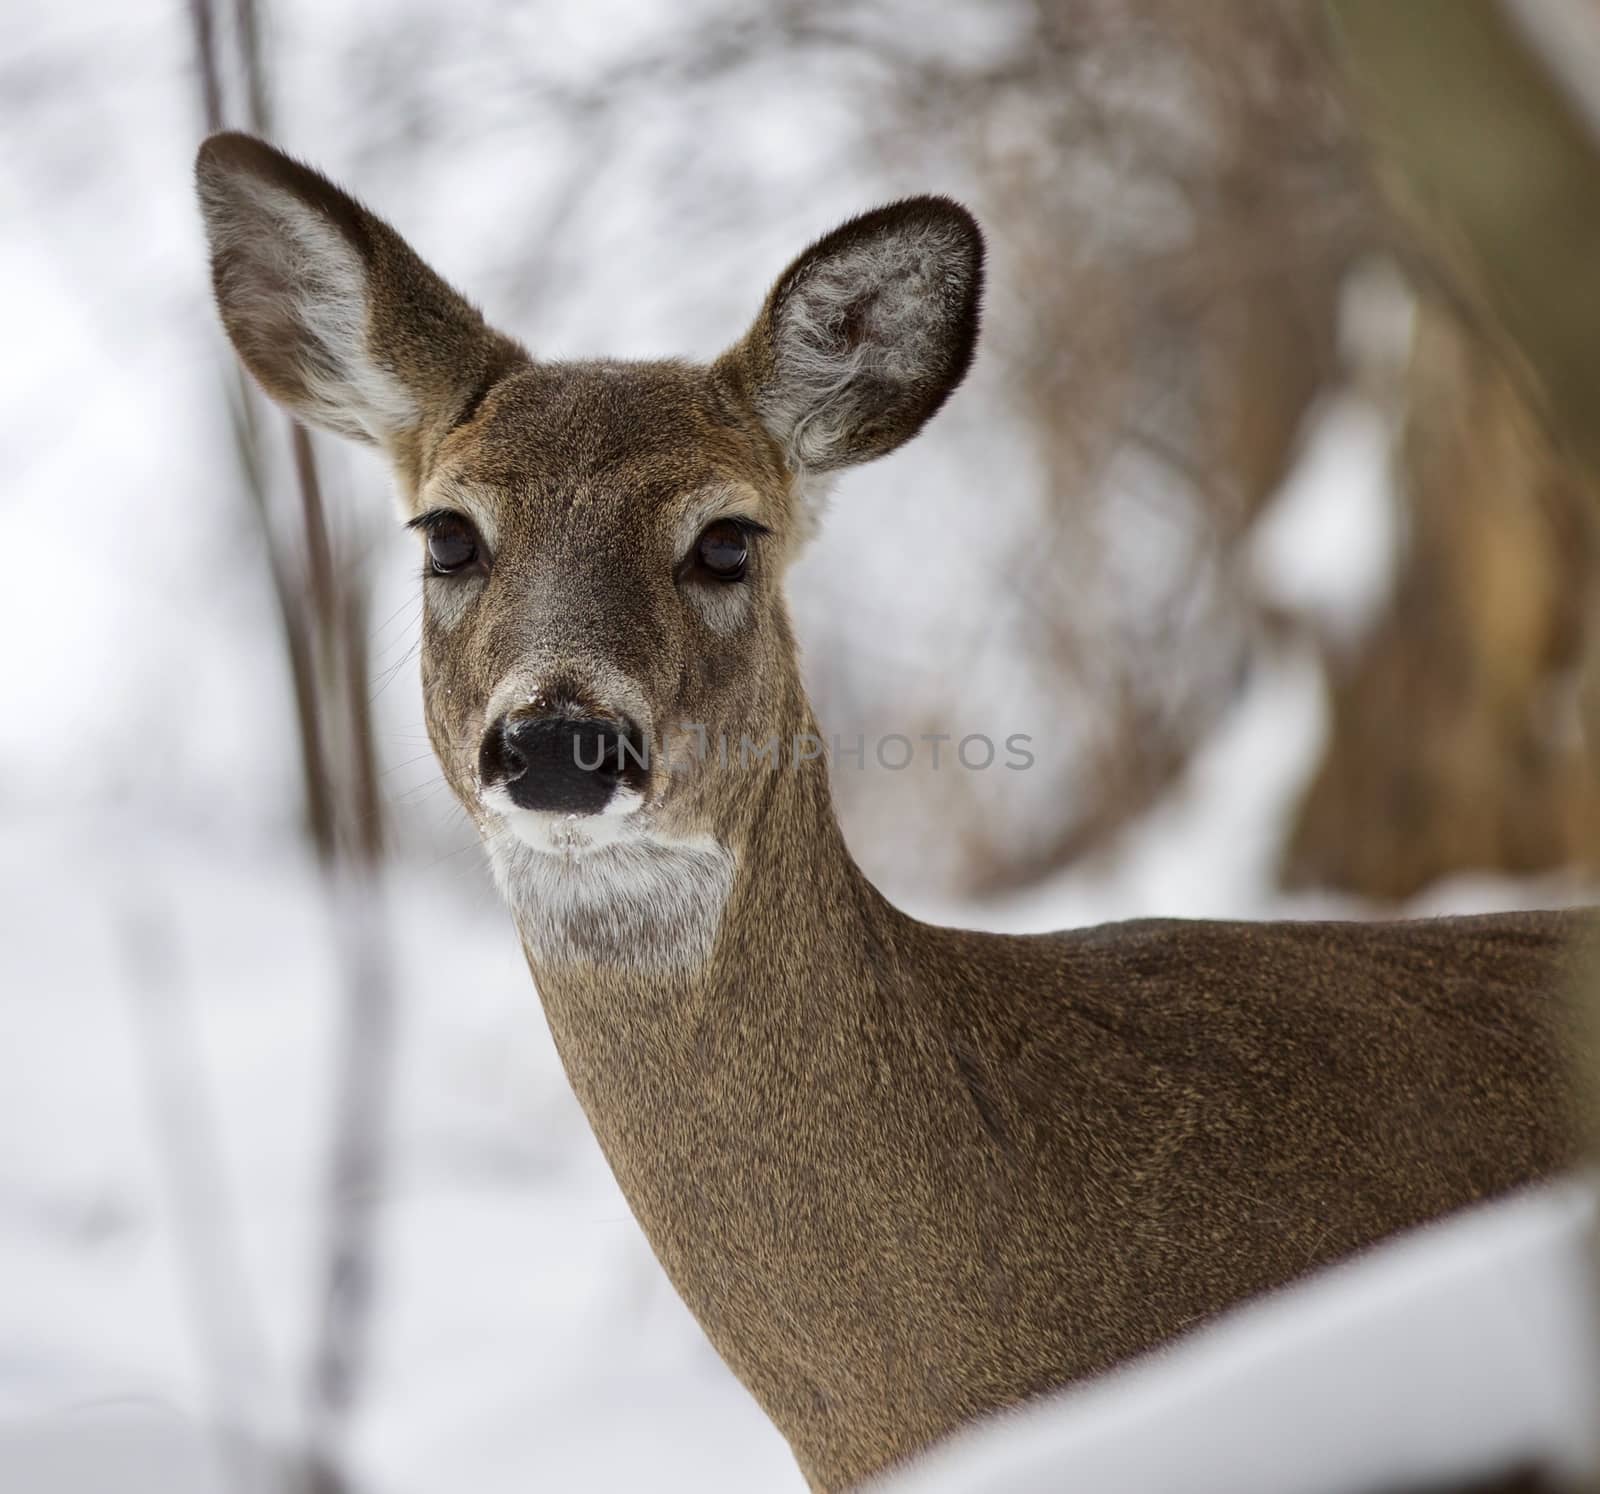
point(608, 888)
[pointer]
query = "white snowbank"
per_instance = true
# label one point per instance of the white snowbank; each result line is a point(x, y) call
point(1467, 1347)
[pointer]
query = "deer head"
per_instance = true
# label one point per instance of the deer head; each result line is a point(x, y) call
point(603, 543)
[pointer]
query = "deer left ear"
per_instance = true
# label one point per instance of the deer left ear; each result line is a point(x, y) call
point(866, 334)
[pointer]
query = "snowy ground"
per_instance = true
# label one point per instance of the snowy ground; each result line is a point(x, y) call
point(527, 1337)
point(1462, 1351)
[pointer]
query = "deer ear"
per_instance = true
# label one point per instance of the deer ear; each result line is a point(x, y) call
point(328, 307)
point(867, 333)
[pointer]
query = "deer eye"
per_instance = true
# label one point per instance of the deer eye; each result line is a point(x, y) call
point(723, 550)
point(452, 543)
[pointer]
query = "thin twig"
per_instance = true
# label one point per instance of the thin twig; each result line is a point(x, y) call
point(339, 1357)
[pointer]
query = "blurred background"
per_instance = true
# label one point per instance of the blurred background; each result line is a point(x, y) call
point(1254, 514)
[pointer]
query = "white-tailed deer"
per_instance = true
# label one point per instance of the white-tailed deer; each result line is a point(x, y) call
point(903, 1175)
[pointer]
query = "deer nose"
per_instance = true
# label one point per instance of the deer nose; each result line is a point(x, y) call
point(562, 764)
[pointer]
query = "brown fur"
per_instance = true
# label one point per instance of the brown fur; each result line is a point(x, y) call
point(904, 1175)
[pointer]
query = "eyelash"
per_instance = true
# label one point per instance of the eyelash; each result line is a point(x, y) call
point(434, 517)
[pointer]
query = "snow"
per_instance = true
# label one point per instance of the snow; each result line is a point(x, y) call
point(1339, 506)
point(525, 1334)
point(1464, 1348)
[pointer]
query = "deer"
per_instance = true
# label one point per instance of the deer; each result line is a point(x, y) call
point(903, 1175)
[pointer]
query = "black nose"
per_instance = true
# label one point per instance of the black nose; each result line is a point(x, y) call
point(559, 763)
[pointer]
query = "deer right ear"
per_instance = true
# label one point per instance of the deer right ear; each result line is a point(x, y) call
point(866, 334)
point(329, 308)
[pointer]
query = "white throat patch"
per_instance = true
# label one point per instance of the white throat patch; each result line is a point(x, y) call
point(642, 901)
